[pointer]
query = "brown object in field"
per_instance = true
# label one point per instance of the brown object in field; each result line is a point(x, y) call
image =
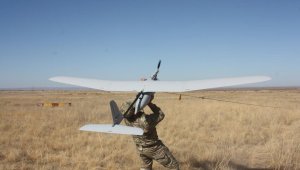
point(54, 104)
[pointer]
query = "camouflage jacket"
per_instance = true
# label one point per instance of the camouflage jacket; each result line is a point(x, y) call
point(148, 124)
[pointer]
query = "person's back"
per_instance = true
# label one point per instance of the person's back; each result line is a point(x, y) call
point(149, 146)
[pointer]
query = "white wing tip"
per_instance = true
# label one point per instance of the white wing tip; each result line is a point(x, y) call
point(108, 128)
point(264, 78)
point(54, 78)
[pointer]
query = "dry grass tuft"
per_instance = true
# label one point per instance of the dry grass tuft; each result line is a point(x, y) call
point(202, 134)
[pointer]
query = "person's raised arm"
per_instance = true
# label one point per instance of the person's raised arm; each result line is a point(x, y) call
point(157, 115)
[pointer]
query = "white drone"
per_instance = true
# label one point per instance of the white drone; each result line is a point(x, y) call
point(146, 89)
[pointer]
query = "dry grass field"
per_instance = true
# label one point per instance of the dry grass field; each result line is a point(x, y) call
point(202, 134)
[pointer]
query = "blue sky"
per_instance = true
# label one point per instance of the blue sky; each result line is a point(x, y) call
point(123, 40)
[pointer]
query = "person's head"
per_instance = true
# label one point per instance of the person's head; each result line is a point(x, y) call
point(131, 115)
point(124, 107)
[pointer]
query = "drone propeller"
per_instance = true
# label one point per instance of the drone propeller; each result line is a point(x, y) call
point(158, 64)
point(154, 77)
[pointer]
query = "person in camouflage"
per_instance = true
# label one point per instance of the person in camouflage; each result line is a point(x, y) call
point(148, 145)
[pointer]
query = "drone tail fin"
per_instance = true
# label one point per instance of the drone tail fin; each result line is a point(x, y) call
point(116, 114)
point(114, 128)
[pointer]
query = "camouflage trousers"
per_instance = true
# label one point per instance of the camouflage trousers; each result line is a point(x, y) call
point(160, 153)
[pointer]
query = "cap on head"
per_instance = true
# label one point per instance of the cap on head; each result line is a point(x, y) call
point(124, 107)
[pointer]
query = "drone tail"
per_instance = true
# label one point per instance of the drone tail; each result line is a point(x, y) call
point(116, 114)
point(114, 128)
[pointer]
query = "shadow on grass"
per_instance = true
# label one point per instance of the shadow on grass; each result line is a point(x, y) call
point(208, 165)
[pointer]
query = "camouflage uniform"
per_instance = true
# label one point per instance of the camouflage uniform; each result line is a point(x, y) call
point(148, 145)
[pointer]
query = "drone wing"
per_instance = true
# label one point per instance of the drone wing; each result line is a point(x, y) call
point(159, 86)
point(116, 129)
